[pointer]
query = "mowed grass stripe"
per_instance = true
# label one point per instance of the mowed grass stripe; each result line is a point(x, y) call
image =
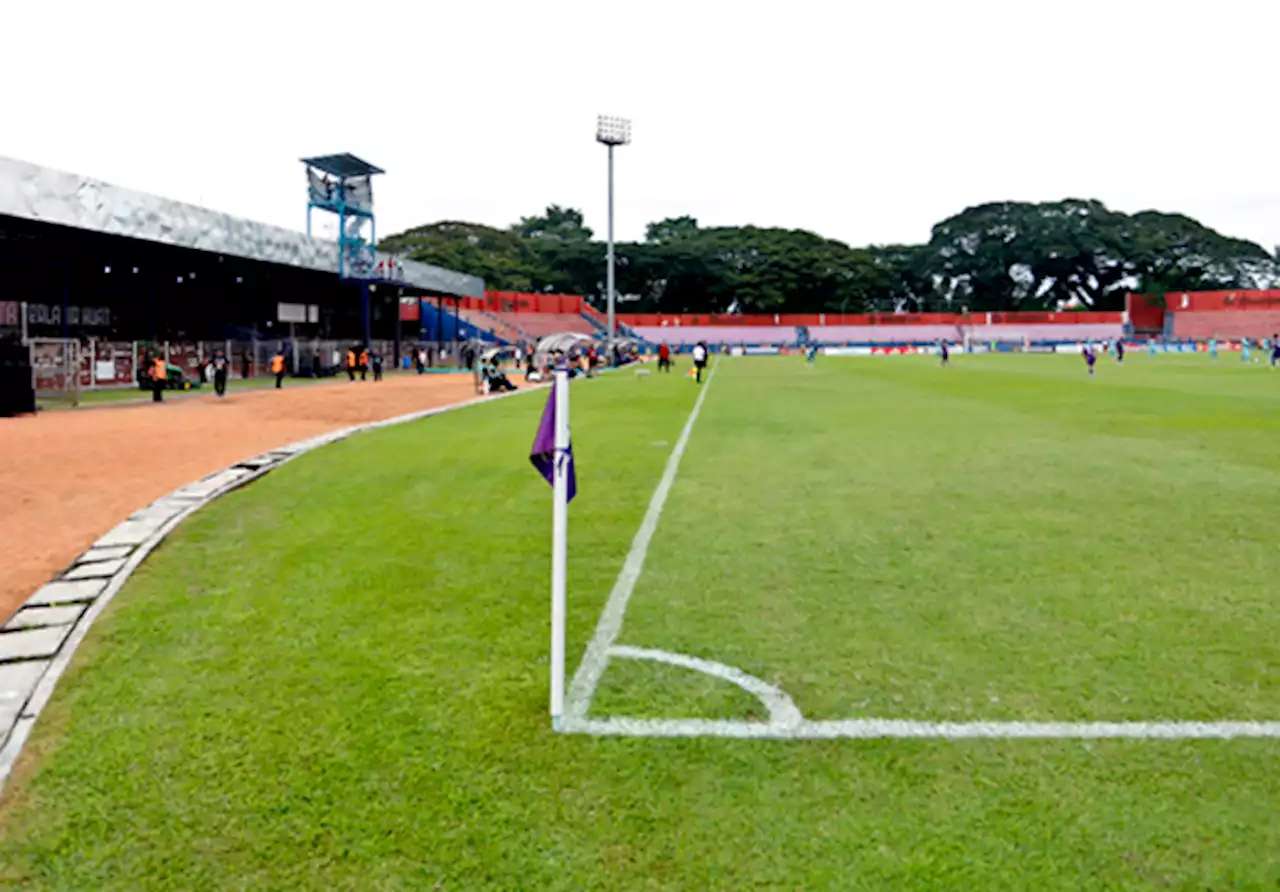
point(879, 549)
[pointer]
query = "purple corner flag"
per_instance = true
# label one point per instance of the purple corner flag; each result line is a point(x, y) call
point(544, 446)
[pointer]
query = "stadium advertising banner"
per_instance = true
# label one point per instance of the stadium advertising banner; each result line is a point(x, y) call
point(90, 317)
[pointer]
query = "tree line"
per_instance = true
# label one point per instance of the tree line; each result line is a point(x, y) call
point(992, 257)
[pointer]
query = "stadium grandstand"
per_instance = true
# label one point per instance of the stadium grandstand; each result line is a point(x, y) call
point(1206, 315)
point(90, 271)
point(515, 318)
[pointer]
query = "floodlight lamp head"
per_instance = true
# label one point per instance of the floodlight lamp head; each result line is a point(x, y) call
point(613, 131)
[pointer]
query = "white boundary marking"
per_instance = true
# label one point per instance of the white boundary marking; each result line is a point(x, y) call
point(596, 658)
point(786, 722)
point(782, 711)
point(867, 729)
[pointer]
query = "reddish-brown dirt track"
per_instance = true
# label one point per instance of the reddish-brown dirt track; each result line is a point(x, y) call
point(66, 477)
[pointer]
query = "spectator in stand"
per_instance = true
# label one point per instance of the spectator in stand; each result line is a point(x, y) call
point(664, 358)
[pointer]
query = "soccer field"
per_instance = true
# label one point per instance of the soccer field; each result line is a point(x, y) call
point(337, 677)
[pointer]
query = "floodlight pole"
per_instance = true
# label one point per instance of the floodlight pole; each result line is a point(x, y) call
point(609, 274)
point(612, 132)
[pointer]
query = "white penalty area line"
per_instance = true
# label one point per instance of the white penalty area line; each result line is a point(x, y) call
point(873, 729)
point(596, 658)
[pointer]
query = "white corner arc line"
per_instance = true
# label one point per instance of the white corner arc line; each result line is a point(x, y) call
point(783, 712)
point(596, 657)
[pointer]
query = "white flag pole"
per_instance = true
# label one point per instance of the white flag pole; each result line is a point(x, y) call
point(559, 544)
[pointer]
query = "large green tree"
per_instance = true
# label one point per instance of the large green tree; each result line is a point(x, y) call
point(997, 256)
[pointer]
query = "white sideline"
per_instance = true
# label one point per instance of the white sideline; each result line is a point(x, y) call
point(871, 729)
point(596, 658)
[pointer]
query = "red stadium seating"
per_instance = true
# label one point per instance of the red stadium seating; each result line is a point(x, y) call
point(1226, 324)
point(536, 325)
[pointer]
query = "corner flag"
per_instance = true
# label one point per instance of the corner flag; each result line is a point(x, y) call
point(552, 455)
point(543, 454)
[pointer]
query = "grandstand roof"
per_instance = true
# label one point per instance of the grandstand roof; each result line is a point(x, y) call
point(344, 165)
point(31, 192)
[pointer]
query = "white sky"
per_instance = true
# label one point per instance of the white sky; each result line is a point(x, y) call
point(863, 121)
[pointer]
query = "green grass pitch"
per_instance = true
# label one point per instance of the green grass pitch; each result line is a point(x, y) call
point(336, 677)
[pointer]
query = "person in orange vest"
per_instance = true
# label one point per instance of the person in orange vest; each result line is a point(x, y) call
point(277, 367)
point(351, 364)
point(364, 363)
point(159, 374)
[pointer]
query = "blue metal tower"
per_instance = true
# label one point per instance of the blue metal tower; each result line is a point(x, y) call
point(343, 186)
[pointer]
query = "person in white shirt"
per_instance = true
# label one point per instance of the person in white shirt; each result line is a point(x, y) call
point(699, 359)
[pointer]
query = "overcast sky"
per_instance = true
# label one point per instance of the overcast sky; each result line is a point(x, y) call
point(863, 121)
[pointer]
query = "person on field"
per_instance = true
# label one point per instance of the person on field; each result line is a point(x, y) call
point(364, 363)
point(699, 359)
point(1275, 350)
point(1120, 350)
point(493, 377)
point(245, 365)
point(219, 373)
point(377, 367)
point(944, 353)
point(1090, 357)
point(1246, 353)
point(277, 367)
point(420, 360)
point(159, 374)
point(351, 364)
point(664, 358)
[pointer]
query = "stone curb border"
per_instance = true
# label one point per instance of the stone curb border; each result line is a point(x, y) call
point(38, 642)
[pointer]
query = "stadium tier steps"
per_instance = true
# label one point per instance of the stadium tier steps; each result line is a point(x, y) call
point(600, 322)
point(1226, 324)
point(501, 329)
point(679, 335)
point(785, 335)
point(1041, 333)
point(536, 325)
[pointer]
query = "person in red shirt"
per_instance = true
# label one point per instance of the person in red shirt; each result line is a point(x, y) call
point(664, 358)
